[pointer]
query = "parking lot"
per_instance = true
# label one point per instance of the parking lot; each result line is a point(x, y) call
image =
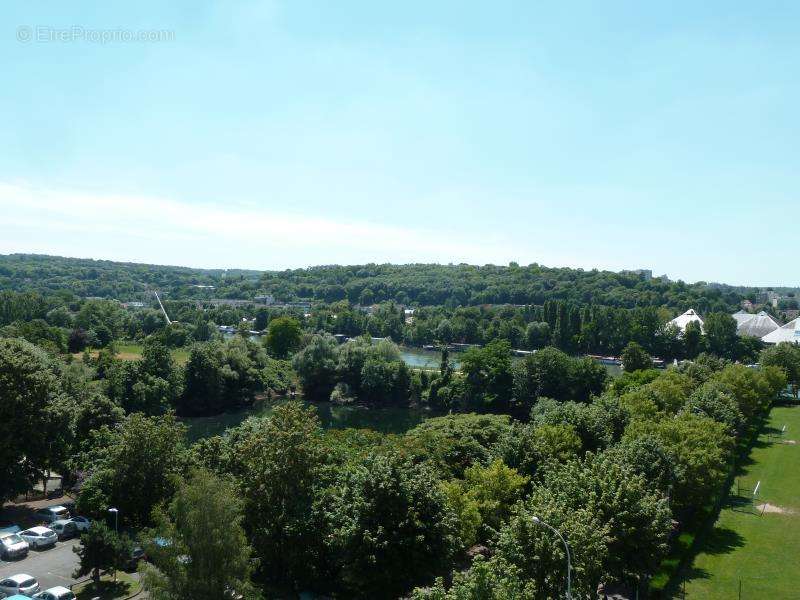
point(51, 567)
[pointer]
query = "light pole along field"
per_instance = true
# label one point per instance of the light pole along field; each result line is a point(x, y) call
point(753, 548)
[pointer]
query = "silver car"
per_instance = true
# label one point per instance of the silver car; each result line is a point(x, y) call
point(64, 528)
point(51, 513)
point(55, 593)
point(19, 584)
point(82, 523)
point(12, 546)
point(39, 537)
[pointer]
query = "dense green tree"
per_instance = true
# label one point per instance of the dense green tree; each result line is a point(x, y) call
point(712, 400)
point(137, 468)
point(533, 446)
point(77, 341)
point(283, 336)
point(280, 460)
point(597, 425)
point(720, 331)
point(551, 373)
point(101, 549)
point(646, 455)
point(453, 443)
point(485, 580)
point(493, 490)
point(316, 367)
point(93, 412)
point(693, 340)
point(701, 449)
point(28, 389)
point(751, 391)
point(787, 357)
point(106, 319)
point(208, 555)
point(391, 527)
point(637, 517)
point(635, 358)
point(536, 556)
point(537, 335)
point(489, 380)
point(221, 376)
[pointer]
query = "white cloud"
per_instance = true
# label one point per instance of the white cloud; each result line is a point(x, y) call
point(169, 231)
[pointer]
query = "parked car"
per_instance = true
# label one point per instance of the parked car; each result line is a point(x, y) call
point(14, 597)
point(39, 537)
point(52, 513)
point(56, 593)
point(64, 528)
point(82, 523)
point(132, 562)
point(21, 583)
point(12, 546)
point(9, 527)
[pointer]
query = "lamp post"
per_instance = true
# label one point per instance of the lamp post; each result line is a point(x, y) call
point(115, 512)
point(538, 521)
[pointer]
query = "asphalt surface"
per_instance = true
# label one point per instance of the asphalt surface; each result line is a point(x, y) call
point(51, 567)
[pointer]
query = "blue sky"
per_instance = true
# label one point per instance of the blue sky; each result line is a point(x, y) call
point(282, 134)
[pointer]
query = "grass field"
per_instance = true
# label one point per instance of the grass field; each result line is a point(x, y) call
point(133, 351)
point(124, 587)
point(760, 550)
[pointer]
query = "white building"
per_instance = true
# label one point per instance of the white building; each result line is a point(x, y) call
point(788, 333)
point(752, 325)
point(690, 316)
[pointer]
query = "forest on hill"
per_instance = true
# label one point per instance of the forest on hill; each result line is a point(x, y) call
point(413, 284)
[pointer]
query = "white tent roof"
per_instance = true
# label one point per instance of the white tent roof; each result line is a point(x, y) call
point(788, 333)
point(755, 325)
point(681, 321)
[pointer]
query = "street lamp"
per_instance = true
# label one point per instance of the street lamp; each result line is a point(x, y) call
point(538, 521)
point(115, 511)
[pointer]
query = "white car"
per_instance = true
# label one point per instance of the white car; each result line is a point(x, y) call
point(52, 513)
point(56, 593)
point(82, 523)
point(19, 584)
point(39, 537)
point(12, 546)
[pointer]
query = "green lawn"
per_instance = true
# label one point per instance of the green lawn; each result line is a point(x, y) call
point(133, 351)
point(760, 550)
point(124, 587)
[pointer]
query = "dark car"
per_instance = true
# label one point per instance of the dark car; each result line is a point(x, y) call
point(137, 554)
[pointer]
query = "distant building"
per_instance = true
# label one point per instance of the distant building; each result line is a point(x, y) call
point(690, 316)
point(265, 299)
point(133, 304)
point(748, 324)
point(787, 333)
point(643, 273)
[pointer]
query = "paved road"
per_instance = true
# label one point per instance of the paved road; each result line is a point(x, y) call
point(51, 567)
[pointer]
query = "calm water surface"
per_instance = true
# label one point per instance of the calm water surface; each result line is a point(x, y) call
point(335, 416)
